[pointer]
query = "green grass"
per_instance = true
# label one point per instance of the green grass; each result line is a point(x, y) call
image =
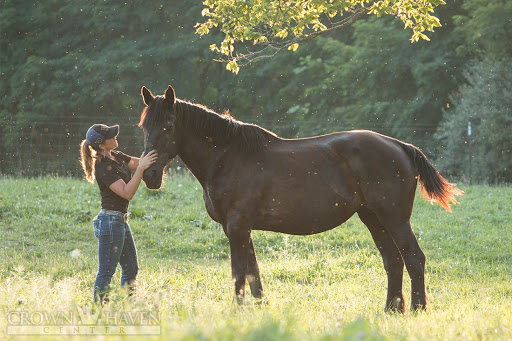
point(330, 286)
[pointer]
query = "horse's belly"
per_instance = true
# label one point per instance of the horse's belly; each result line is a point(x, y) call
point(304, 213)
point(303, 224)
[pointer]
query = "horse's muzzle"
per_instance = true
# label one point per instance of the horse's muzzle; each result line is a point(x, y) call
point(152, 179)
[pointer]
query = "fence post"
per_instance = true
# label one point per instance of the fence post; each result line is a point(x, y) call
point(2, 156)
point(470, 154)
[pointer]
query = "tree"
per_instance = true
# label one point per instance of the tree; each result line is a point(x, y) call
point(275, 25)
point(483, 98)
point(66, 66)
point(486, 28)
point(485, 101)
point(373, 78)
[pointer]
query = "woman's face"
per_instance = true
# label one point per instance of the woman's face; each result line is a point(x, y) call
point(109, 144)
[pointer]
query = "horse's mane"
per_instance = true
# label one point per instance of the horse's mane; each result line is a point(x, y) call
point(223, 129)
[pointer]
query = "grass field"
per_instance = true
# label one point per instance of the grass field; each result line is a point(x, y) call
point(330, 286)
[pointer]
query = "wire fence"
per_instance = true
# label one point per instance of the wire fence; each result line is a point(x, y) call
point(53, 148)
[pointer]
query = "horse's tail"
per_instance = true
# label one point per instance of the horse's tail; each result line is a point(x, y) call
point(433, 186)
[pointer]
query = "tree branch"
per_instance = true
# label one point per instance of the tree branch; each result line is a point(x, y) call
point(273, 47)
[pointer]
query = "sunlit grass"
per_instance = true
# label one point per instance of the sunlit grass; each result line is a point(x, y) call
point(321, 287)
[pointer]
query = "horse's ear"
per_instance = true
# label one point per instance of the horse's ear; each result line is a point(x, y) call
point(147, 96)
point(170, 95)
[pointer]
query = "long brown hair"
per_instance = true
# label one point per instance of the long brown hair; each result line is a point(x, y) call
point(88, 157)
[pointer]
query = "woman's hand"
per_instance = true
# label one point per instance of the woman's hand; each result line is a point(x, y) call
point(127, 190)
point(147, 160)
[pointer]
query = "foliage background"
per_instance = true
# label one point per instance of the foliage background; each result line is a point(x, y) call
point(67, 65)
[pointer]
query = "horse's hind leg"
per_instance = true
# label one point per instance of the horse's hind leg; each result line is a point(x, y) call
point(392, 259)
point(414, 258)
point(253, 272)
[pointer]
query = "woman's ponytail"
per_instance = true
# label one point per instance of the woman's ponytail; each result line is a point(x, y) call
point(87, 160)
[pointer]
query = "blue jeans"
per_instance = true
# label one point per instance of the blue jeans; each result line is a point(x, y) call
point(115, 245)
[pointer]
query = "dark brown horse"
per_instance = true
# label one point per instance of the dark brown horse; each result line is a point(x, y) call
point(255, 180)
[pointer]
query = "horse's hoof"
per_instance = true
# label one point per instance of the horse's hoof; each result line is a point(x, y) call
point(421, 304)
point(240, 300)
point(263, 301)
point(418, 307)
point(396, 305)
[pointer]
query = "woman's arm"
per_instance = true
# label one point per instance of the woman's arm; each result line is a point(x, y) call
point(127, 190)
point(134, 163)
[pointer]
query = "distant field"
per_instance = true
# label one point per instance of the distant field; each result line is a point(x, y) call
point(330, 286)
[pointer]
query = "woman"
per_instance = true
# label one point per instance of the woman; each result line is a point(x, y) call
point(112, 170)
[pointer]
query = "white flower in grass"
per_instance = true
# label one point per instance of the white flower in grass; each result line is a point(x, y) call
point(75, 253)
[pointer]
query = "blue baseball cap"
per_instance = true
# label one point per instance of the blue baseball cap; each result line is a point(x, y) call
point(98, 133)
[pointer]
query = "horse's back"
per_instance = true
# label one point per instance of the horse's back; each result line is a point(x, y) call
point(361, 150)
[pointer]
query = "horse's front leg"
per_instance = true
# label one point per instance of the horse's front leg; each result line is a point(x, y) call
point(253, 272)
point(240, 243)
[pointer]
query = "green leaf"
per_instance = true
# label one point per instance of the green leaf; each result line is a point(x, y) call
point(293, 47)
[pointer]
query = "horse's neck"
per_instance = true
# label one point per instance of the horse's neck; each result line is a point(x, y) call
point(198, 155)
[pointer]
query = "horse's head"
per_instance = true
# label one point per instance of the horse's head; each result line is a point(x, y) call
point(158, 120)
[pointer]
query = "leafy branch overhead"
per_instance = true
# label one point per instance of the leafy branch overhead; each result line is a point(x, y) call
point(274, 25)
